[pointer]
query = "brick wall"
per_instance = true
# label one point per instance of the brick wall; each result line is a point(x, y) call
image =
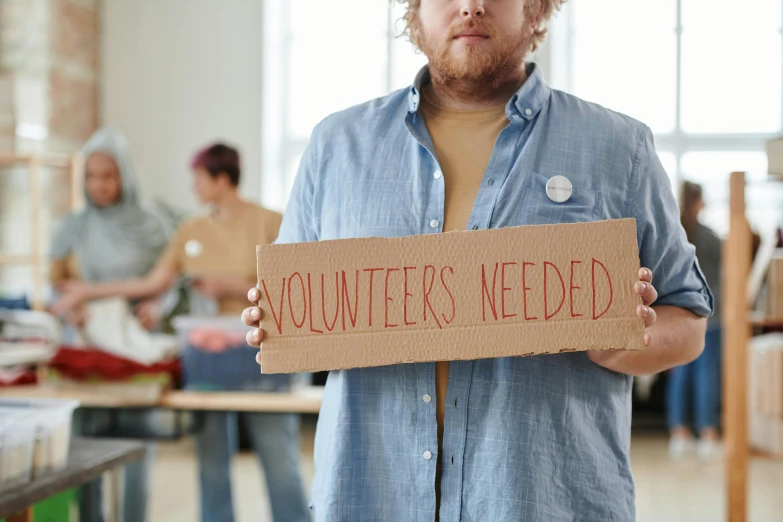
point(73, 73)
point(49, 99)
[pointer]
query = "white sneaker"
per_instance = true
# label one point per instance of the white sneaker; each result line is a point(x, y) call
point(708, 449)
point(679, 446)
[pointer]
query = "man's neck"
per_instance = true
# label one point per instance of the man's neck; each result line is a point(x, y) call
point(227, 206)
point(471, 96)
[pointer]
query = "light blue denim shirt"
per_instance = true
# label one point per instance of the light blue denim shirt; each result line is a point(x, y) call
point(542, 438)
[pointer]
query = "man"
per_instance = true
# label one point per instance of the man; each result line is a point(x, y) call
point(471, 145)
point(218, 252)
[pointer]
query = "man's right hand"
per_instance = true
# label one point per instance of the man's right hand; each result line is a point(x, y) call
point(251, 317)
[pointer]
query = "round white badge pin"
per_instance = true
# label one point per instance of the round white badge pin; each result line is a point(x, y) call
point(559, 189)
point(193, 248)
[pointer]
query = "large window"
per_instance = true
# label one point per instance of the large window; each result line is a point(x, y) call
point(704, 75)
point(321, 57)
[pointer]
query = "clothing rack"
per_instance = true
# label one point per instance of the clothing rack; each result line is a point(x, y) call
point(34, 163)
point(738, 323)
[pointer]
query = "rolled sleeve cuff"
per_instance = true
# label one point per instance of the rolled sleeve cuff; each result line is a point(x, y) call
point(699, 301)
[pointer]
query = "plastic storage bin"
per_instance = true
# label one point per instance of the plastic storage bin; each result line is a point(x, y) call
point(17, 439)
point(209, 362)
point(53, 419)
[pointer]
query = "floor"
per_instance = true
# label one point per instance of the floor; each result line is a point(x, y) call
point(684, 491)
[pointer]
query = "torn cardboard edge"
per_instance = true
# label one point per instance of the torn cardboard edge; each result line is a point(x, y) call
point(513, 291)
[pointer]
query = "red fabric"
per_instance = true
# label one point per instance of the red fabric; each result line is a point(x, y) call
point(80, 364)
point(24, 378)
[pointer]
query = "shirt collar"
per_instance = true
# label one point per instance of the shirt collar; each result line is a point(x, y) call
point(527, 102)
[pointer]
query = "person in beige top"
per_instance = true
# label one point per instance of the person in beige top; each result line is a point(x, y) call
point(217, 253)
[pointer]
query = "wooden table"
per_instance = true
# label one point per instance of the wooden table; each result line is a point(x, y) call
point(301, 400)
point(305, 400)
point(88, 459)
point(87, 464)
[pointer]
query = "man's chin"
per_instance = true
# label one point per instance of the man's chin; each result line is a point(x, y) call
point(468, 68)
point(469, 55)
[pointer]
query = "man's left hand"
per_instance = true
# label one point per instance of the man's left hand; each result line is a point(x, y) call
point(645, 289)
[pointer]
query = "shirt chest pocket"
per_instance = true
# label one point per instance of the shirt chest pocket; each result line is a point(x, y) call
point(584, 204)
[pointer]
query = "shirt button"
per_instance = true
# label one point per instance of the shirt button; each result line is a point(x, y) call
point(528, 112)
point(491, 182)
point(427, 455)
point(437, 174)
point(475, 227)
point(427, 397)
point(434, 223)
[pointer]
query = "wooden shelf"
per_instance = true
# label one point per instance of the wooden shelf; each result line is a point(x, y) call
point(764, 455)
point(736, 333)
point(9, 260)
point(738, 323)
point(36, 258)
point(759, 320)
point(56, 162)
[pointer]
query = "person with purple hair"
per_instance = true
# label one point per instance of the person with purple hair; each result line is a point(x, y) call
point(217, 253)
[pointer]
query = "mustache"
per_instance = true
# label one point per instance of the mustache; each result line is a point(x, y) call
point(472, 24)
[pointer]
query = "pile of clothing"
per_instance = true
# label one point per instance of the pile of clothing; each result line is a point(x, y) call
point(27, 338)
point(113, 354)
point(104, 373)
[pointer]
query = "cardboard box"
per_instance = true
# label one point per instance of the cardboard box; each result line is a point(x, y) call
point(455, 296)
point(775, 156)
point(775, 286)
point(765, 384)
point(765, 393)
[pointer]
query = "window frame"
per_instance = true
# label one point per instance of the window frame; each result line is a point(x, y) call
point(678, 142)
point(279, 149)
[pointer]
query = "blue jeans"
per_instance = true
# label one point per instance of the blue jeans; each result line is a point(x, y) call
point(98, 423)
point(700, 382)
point(275, 438)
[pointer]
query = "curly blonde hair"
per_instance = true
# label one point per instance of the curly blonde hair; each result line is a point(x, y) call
point(544, 9)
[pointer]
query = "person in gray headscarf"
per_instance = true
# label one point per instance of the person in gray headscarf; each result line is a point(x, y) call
point(115, 237)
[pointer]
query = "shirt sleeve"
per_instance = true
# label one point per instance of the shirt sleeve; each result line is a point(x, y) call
point(61, 270)
point(663, 245)
point(300, 223)
point(171, 258)
point(61, 251)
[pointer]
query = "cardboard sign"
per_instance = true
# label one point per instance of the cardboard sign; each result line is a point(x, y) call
point(516, 291)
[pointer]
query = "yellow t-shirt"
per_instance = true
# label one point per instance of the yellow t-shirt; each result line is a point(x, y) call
point(463, 142)
point(205, 246)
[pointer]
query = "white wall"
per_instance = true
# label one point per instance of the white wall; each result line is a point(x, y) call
point(177, 74)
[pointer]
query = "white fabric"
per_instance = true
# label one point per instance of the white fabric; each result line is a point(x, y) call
point(112, 328)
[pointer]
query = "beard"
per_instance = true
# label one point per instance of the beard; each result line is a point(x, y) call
point(488, 69)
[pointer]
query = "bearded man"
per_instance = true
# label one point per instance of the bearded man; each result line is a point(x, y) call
point(472, 144)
